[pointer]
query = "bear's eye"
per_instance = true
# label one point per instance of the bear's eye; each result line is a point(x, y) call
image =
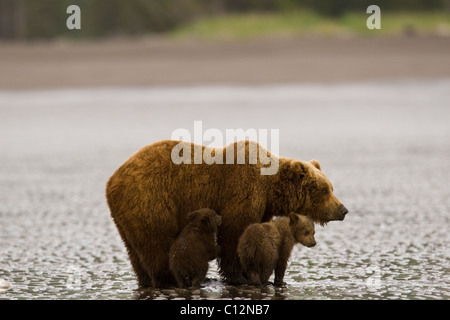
point(325, 191)
point(306, 233)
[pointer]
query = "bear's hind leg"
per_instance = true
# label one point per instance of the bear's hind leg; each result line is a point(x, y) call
point(143, 278)
point(142, 275)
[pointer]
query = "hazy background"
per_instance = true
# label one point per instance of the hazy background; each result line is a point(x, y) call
point(371, 105)
point(196, 42)
point(27, 19)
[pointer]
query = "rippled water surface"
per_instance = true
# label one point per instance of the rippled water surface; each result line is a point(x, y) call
point(384, 146)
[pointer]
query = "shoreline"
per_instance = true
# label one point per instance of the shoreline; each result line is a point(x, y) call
point(156, 62)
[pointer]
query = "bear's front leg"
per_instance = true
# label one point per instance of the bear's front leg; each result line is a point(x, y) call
point(280, 270)
point(240, 210)
point(230, 266)
point(279, 276)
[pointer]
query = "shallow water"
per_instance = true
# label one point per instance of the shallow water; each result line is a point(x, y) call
point(384, 146)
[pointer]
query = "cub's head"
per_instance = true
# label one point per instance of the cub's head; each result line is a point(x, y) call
point(205, 219)
point(302, 228)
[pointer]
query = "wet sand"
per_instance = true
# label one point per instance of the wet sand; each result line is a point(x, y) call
point(159, 62)
point(384, 146)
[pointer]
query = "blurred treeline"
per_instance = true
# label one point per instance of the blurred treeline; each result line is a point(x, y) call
point(46, 19)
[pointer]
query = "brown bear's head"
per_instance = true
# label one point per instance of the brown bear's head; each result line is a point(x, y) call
point(313, 192)
point(205, 219)
point(302, 228)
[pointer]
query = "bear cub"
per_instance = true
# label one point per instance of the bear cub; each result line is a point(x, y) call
point(194, 248)
point(265, 247)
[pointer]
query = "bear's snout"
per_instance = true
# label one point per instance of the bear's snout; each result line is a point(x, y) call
point(344, 211)
point(312, 244)
point(338, 213)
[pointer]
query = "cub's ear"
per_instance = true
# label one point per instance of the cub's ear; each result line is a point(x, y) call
point(316, 164)
point(191, 216)
point(219, 220)
point(205, 221)
point(293, 218)
point(293, 170)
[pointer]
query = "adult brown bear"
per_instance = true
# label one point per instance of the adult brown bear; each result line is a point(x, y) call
point(151, 193)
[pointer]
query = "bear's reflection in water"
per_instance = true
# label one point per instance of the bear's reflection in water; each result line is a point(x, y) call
point(214, 289)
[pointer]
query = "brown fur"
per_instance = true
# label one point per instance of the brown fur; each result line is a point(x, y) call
point(149, 197)
point(194, 248)
point(265, 247)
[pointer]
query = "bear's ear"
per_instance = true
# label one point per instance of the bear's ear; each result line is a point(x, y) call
point(316, 164)
point(219, 220)
point(292, 170)
point(293, 218)
point(191, 216)
point(205, 220)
